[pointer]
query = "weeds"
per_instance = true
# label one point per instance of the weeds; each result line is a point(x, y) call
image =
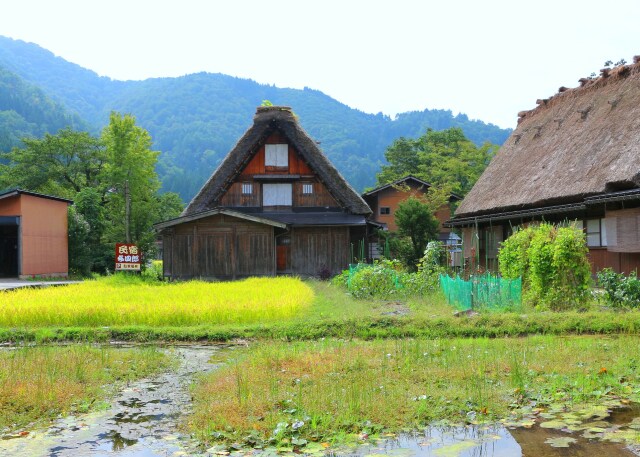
point(336, 390)
point(38, 383)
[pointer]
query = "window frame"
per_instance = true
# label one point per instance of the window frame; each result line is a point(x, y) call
point(385, 211)
point(591, 232)
point(247, 186)
point(307, 188)
point(276, 155)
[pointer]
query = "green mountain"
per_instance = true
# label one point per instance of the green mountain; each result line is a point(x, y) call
point(196, 119)
point(26, 111)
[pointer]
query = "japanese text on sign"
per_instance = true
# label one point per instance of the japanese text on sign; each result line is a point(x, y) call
point(128, 257)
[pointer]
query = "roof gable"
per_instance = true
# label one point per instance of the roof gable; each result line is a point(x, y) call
point(581, 142)
point(266, 121)
point(406, 180)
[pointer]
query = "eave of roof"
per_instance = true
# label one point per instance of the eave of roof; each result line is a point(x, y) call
point(214, 212)
point(17, 191)
point(503, 216)
point(327, 219)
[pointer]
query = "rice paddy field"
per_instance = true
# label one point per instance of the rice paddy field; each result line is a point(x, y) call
point(126, 300)
point(333, 391)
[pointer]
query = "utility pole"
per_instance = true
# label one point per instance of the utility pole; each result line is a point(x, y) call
point(127, 212)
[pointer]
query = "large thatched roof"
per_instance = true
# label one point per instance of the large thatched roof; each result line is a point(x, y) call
point(579, 143)
point(266, 121)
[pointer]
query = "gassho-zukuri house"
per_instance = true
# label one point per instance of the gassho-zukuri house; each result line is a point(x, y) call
point(575, 157)
point(274, 205)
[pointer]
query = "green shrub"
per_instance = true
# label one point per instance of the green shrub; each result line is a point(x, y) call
point(341, 279)
point(427, 278)
point(553, 264)
point(379, 280)
point(154, 271)
point(620, 291)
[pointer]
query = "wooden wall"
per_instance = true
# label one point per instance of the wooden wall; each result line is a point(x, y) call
point(316, 248)
point(297, 166)
point(621, 262)
point(319, 198)
point(221, 247)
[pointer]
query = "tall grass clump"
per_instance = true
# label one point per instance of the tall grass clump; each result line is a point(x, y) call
point(38, 383)
point(129, 300)
point(290, 394)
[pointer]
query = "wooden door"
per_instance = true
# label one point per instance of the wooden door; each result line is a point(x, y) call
point(283, 253)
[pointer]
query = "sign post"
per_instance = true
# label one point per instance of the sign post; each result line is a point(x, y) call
point(128, 257)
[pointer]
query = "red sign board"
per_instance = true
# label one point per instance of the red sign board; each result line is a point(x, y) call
point(128, 257)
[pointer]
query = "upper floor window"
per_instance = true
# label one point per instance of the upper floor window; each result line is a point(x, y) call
point(385, 210)
point(307, 188)
point(596, 233)
point(247, 188)
point(276, 155)
point(276, 194)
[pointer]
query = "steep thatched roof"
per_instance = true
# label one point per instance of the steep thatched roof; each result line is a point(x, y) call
point(581, 142)
point(266, 121)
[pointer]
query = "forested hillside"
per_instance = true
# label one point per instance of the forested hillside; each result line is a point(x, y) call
point(196, 119)
point(25, 111)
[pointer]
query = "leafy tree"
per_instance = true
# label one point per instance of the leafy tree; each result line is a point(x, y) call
point(80, 262)
point(134, 183)
point(446, 159)
point(416, 222)
point(61, 164)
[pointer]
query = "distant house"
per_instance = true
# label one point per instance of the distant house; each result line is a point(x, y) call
point(576, 157)
point(274, 205)
point(384, 201)
point(33, 235)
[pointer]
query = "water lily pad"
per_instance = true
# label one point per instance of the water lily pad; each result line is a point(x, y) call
point(454, 450)
point(557, 424)
point(401, 452)
point(561, 441)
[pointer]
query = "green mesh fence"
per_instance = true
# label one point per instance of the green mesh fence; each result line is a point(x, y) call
point(482, 292)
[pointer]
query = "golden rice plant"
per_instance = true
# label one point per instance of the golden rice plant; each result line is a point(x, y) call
point(127, 300)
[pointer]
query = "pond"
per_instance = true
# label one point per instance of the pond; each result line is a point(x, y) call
point(143, 417)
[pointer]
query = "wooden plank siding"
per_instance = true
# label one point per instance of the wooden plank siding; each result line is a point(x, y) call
point(620, 262)
point(320, 197)
point(316, 248)
point(220, 247)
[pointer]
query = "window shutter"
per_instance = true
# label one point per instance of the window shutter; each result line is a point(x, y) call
point(276, 155)
point(277, 194)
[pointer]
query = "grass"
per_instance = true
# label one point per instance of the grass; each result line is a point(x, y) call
point(39, 383)
point(122, 300)
point(334, 391)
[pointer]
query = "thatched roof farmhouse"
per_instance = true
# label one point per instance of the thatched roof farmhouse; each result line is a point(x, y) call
point(276, 204)
point(575, 157)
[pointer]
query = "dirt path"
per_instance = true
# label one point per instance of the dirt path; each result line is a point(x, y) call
point(142, 420)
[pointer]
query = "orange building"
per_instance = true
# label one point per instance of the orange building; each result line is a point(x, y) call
point(33, 235)
point(384, 201)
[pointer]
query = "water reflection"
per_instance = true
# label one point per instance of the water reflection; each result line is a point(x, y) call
point(488, 441)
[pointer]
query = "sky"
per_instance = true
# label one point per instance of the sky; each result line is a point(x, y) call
point(489, 59)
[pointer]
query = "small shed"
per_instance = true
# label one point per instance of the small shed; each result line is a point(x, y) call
point(33, 235)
